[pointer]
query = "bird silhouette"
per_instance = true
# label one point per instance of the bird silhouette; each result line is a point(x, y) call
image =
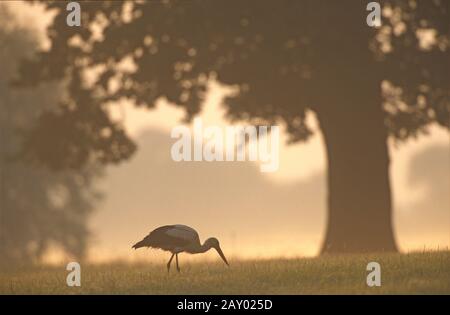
point(178, 239)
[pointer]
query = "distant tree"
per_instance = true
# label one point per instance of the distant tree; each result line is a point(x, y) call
point(285, 57)
point(38, 208)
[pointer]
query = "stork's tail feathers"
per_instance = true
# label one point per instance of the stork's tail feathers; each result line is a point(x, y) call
point(139, 244)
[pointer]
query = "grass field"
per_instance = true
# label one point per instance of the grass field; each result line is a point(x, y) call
point(416, 273)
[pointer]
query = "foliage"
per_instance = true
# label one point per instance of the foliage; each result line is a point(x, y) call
point(281, 55)
point(38, 208)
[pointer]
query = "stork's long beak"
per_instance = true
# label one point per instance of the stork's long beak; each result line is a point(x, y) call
point(222, 255)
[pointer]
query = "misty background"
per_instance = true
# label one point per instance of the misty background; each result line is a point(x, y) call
point(253, 214)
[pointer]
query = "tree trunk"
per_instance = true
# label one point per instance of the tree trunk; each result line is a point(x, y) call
point(345, 91)
point(359, 194)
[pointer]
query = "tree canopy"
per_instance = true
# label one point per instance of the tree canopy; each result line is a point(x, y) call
point(285, 58)
point(39, 209)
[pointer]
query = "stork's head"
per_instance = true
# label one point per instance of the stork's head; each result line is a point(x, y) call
point(214, 243)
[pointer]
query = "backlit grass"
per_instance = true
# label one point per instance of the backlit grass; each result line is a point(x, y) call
point(415, 273)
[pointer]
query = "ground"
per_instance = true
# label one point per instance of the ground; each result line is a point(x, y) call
point(415, 273)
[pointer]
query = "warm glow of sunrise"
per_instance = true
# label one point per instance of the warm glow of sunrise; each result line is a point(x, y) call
point(300, 164)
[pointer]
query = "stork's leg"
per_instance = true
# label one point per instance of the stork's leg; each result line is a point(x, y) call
point(168, 264)
point(178, 267)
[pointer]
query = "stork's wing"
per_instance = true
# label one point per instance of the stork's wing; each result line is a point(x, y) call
point(183, 232)
point(170, 237)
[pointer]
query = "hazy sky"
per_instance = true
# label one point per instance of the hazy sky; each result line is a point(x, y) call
point(302, 166)
point(295, 226)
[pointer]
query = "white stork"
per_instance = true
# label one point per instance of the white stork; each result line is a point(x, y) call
point(177, 239)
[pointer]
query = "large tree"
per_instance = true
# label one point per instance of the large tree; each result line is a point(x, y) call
point(285, 57)
point(39, 208)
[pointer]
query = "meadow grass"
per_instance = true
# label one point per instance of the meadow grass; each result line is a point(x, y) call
point(415, 273)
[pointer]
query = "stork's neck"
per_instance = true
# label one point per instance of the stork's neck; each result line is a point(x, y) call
point(204, 247)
